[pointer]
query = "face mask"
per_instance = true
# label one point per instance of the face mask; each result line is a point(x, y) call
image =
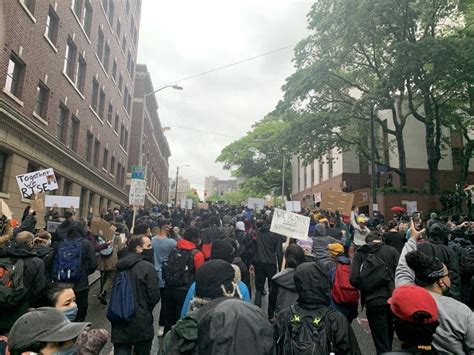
point(148, 254)
point(70, 313)
point(68, 351)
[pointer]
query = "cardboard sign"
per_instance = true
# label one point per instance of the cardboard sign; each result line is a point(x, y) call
point(138, 172)
point(293, 206)
point(361, 197)
point(412, 206)
point(189, 204)
point(255, 203)
point(202, 205)
point(51, 227)
point(37, 205)
point(62, 201)
point(36, 182)
point(5, 210)
point(102, 227)
point(290, 224)
point(336, 200)
point(137, 193)
point(317, 197)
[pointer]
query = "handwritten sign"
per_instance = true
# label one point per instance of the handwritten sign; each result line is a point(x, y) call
point(202, 205)
point(361, 197)
point(293, 206)
point(412, 206)
point(254, 203)
point(37, 182)
point(290, 224)
point(62, 201)
point(5, 210)
point(51, 227)
point(336, 200)
point(187, 203)
point(137, 193)
point(103, 228)
point(317, 197)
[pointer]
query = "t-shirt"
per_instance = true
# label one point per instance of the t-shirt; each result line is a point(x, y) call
point(161, 250)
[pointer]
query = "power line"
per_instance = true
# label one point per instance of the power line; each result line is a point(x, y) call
point(230, 65)
point(200, 131)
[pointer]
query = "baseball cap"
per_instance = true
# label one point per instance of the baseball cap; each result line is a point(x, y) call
point(407, 300)
point(45, 324)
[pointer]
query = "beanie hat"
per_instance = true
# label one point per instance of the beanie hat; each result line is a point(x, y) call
point(335, 249)
point(408, 300)
point(222, 250)
point(212, 277)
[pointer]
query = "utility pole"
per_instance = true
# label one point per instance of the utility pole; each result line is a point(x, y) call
point(176, 188)
point(373, 177)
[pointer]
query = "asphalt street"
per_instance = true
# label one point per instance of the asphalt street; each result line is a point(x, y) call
point(96, 315)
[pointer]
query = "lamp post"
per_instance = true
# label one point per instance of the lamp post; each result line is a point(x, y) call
point(176, 184)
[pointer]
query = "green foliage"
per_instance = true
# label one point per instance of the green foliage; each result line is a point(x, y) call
point(192, 196)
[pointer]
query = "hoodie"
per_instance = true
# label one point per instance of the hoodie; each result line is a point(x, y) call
point(268, 246)
point(283, 291)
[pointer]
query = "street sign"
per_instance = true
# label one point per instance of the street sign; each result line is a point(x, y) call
point(138, 172)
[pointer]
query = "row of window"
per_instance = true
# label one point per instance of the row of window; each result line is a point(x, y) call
point(313, 180)
point(109, 9)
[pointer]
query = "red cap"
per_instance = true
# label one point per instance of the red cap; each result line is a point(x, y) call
point(406, 300)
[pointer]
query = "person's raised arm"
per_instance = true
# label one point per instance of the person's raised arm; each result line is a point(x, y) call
point(404, 274)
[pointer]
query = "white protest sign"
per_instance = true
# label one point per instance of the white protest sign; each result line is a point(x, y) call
point(412, 206)
point(5, 210)
point(183, 203)
point(36, 182)
point(318, 197)
point(189, 204)
point(62, 201)
point(290, 224)
point(253, 203)
point(137, 193)
point(51, 227)
point(293, 206)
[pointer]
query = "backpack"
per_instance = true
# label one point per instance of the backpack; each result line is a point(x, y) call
point(342, 290)
point(12, 286)
point(374, 273)
point(67, 266)
point(178, 270)
point(107, 251)
point(307, 333)
point(121, 306)
point(466, 259)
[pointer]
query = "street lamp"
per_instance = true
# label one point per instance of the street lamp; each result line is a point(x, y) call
point(176, 184)
point(145, 95)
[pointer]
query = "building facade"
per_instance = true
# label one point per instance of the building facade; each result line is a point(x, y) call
point(213, 185)
point(66, 85)
point(148, 140)
point(209, 185)
point(183, 188)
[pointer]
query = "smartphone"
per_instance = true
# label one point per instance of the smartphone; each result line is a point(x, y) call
point(416, 216)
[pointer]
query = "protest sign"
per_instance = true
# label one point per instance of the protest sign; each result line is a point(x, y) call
point(290, 224)
point(5, 210)
point(102, 227)
point(361, 197)
point(412, 206)
point(62, 201)
point(51, 227)
point(137, 193)
point(317, 197)
point(189, 204)
point(202, 205)
point(36, 182)
point(336, 200)
point(255, 203)
point(293, 206)
point(138, 172)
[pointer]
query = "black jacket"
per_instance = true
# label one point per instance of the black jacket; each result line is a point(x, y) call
point(395, 239)
point(283, 291)
point(34, 280)
point(46, 254)
point(313, 287)
point(268, 246)
point(390, 256)
point(146, 293)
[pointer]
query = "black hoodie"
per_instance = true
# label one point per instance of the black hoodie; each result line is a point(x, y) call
point(268, 246)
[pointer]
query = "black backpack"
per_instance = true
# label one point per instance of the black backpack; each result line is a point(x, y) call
point(374, 273)
point(465, 253)
point(307, 332)
point(179, 270)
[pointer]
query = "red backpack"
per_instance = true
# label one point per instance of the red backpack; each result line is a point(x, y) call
point(342, 290)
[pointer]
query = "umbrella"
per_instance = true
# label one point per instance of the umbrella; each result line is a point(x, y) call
point(397, 209)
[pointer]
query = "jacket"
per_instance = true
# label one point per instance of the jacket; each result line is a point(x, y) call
point(455, 333)
point(313, 286)
point(389, 255)
point(6, 233)
point(146, 294)
point(46, 254)
point(283, 291)
point(208, 236)
point(320, 247)
point(359, 233)
point(268, 246)
point(395, 239)
point(108, 263)
point(187, 245)
point(34, 280)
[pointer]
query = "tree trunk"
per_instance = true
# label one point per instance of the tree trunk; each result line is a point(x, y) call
point(466, 159)
point(433, 143)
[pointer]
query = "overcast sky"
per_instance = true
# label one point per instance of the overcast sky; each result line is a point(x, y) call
point(182, 38)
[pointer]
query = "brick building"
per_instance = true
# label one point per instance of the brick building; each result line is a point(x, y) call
point(66, 85)
point(148, 132)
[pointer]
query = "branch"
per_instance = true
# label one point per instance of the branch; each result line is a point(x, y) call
point(412, 107)
point(348, 82)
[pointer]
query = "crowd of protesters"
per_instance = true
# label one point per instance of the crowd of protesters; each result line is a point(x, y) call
point(414, 277)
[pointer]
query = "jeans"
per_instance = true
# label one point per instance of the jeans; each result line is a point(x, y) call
point(381, 326)
point(138, 348)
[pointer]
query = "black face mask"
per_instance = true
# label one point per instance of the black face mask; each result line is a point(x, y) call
point(148, 255)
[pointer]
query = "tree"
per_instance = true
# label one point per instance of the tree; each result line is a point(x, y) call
point(259, 157)
point(195, 197)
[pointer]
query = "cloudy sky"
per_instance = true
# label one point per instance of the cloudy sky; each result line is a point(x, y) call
point(182, 38)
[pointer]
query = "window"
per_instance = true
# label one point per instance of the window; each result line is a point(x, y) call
point(116, 123)
point(129, 104)
point(95, 94)
point(118, 28)
point(70, 58)
point(122, 177)
point(89, 142)
point(30, 5)
point(321, 167)
point(125, 140)
point(87, 18)
point(100, 45)
point(119, 173)
point(80, 77)
point(106, 159)
point(124, 43)
point(112, 165)
point(114, 70)
point(110, 12)
point(77, 6)
point(101, 103)
point(106, 59)
point(3, 163)
point(120, 83)
point(52, 25)
point(129, 62)
point(42, 97)
point(73, 133)
point(62, 123)
point(125, 99)
point(67, 188)
point(96, 152)
point(330, 166)
point(104, 4)
point(110, 112)
point(15, 74)
point(122, 134)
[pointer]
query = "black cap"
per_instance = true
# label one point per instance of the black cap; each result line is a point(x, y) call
point(211, 276)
